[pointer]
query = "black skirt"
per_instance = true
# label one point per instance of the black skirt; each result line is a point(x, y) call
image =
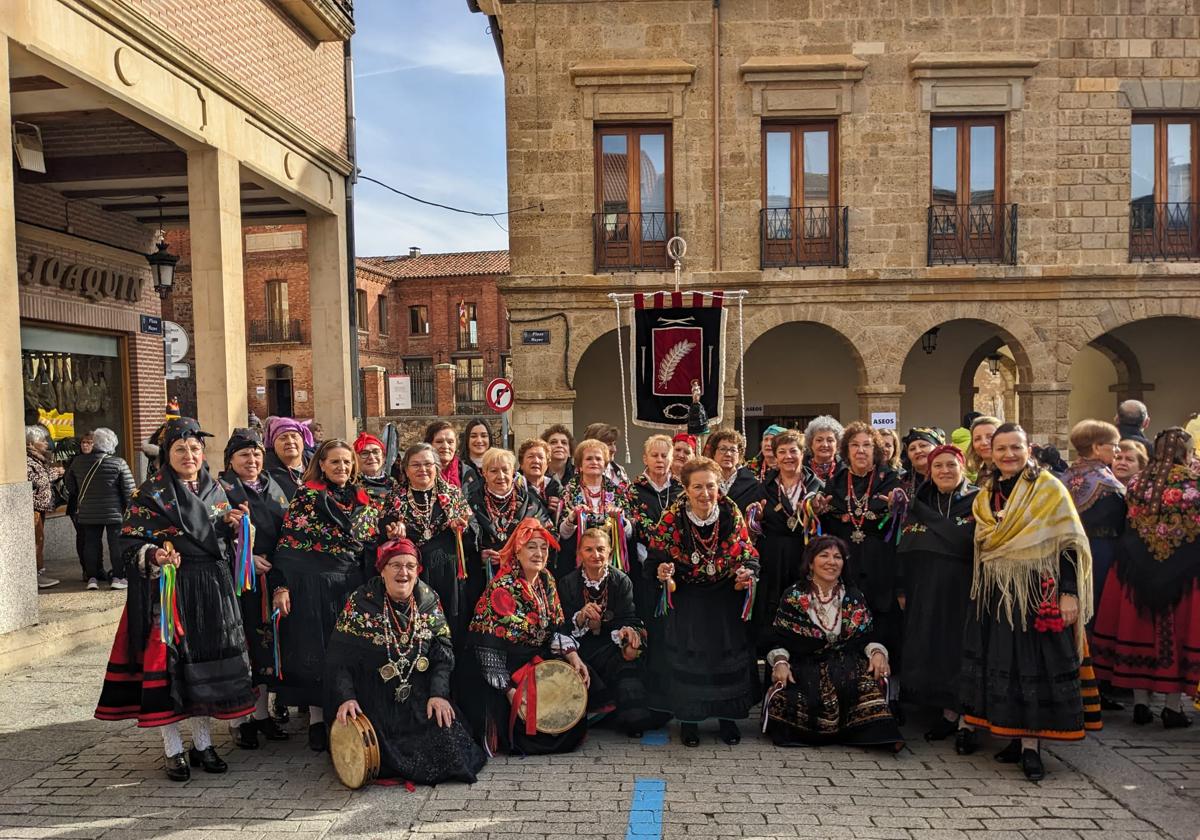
point(834, 700)
point(705, 662)
point(1021, 682)
point(939, 597)
point(319, 585)
point(779, 567)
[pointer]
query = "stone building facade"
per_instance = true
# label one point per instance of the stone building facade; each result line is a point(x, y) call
point(122, 117)
point(1043, 265)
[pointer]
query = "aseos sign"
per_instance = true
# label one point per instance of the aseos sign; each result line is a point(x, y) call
point(87, 281)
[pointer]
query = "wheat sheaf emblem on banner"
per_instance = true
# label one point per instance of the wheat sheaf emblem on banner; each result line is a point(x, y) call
point(671, 359)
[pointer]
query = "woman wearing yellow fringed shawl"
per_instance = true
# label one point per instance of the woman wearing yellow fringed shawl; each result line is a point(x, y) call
point(1025, 673)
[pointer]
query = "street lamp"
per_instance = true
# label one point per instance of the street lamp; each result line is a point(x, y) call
point(929, 341)
point(162, 261)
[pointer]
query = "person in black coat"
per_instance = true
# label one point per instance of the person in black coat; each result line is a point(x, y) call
point(251, 488)
point(99, 486)
point(937, 553)
point(597, 600)
point(727, 447)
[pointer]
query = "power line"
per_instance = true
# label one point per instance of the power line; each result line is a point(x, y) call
point(539, 207)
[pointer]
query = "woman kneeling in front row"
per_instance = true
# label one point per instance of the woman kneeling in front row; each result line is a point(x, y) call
point(826, 668)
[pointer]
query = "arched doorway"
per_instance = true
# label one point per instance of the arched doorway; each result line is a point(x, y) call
point(961, 366)
point(279, 390)
point(797, 371)
point(1145, 360)
point(597, 385)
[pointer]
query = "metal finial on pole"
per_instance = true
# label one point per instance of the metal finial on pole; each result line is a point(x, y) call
point(676, 248)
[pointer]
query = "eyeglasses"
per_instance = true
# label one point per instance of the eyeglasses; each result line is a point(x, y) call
point(424, 465)
point(394, 567)
point(727, 450)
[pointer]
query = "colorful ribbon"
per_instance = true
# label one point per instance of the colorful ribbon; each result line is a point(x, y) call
point(616, 528)
point(525, 681)
point(462, 557)
point(276, 616)
point(809, 520)
point(170, 626)
point(665, 602)
point(898, 514)
point(748, 603)
point(244, 552)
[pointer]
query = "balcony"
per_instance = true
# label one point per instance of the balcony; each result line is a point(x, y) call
point(804, 236)
point(633, 241)
point(1164, 232)
point(972, 234)
point(271, 331)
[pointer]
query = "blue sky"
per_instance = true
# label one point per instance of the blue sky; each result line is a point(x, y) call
point(429, 101)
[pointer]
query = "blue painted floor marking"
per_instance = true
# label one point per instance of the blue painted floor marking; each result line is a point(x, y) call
point(656, 738)
point(646, 810)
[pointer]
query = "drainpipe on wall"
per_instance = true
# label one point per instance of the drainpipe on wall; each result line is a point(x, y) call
point(356, 395)
point(716, 127)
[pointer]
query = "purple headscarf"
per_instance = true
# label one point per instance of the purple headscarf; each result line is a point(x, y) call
point(278, 425)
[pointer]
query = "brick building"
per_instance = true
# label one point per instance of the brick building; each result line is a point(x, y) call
point(408, 323)
point(932, 207)
point(123, 116)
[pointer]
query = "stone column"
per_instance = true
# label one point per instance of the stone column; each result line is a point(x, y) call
point(218, 300)
point(444, 402)
point(329, 310)
point(374, 382)
point(872, 398)
point(1043, 411)
point(18, 596)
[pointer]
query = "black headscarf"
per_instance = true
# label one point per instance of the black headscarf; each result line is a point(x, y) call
point(239, 440)
point(180, 428)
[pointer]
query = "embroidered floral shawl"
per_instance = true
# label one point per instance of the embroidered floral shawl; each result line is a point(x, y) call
point(793, 616)
point(673, 536)
point(449, 505)
point(573, 500)
point(315, 522)
point(509, 611)
point(1177, 520)
point(1089, 480)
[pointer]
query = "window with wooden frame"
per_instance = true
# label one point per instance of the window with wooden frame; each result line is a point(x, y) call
point(634, 203)
point(381, 314)
point(360, 299)
point(468, 326)
point(418, 320)
point(801, 220)
point(1163, 187)
point(968, 219)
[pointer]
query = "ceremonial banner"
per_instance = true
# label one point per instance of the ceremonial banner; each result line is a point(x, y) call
point(676, 339)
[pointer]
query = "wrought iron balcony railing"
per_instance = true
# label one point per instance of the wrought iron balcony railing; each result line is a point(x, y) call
point(802, 236)
point(272, 331)
point(1164, 232)
point(972, 233)
point(633, 241)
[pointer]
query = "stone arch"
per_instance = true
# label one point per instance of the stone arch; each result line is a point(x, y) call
point(1034, 355)
point(760, 320)
point(1130, 385)
point(1119, 313)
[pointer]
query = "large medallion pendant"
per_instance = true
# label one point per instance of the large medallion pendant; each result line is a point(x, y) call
point(422, 664)
point(426, 534)
point(792, 523)
point(388, 672)
point(710, 569)
point(695, 558)
point(403, 692)
point(857, 535)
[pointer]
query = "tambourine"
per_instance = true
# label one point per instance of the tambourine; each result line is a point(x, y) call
point(561, 697)
point(355, 751)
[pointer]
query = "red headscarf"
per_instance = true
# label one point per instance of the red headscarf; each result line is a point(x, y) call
point(943, 449)
point(396, 548)
point(364, 440)
point(690, 440)
point(528, 528)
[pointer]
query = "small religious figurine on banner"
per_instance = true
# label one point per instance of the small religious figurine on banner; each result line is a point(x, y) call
point(697, 421)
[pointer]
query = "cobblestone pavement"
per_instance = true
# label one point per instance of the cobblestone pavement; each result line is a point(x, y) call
point(64, 775)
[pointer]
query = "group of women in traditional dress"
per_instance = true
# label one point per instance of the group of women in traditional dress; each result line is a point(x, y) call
point(840, 570)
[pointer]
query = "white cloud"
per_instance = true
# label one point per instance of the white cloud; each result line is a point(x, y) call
point(448, 55)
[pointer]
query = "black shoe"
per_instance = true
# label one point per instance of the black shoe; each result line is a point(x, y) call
point(634, 733)
point(689, 734)
point(177, 768)
point(246, 735)
point(942, 729)
point(318, 737)
point(270, 730)
point(966, 741)
point(1142, 714)
point(1175, 720)
point(1010, 754)
point(730, 733)
point(208, 759)
point(1031, 765)
point(1107, 704)
point(281, 712)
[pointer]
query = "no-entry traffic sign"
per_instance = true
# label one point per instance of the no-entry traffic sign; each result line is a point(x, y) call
point(499, 395)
